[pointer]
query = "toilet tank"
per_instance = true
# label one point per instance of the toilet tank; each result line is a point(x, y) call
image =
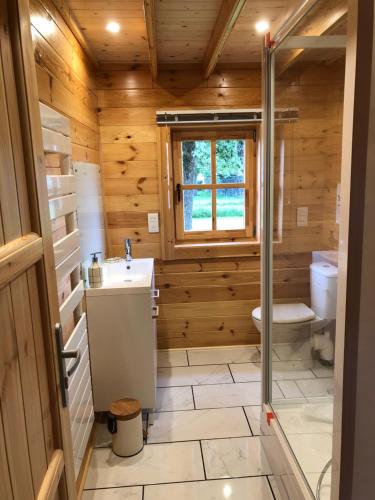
point(323, 286)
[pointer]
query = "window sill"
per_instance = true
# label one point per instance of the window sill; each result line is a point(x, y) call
point(214, 250)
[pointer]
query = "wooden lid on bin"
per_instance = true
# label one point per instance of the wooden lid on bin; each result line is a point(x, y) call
point(125, 409)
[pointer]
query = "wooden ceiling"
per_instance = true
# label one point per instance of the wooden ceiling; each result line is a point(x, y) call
point(184, 28)
point(204, 32)
point(129, 45)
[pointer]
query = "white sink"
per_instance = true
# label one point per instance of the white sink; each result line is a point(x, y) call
point(125, 276)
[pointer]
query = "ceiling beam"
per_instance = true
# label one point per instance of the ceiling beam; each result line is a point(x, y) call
point(150, 20)
point(228, 15)
point(320, 23)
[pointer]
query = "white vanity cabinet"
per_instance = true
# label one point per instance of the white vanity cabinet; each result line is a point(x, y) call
point(122, 334)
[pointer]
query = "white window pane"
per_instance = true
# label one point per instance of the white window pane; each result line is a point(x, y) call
point(198, 210)
point(230, 161)
point(230, 208)
point(196, 162)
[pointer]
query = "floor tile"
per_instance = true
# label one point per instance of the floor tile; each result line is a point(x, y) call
point(198, 424)
point(253, 416)
point(174, 398)
point(290, 389)
point(281, 370)
point(131, 493)
point(249, 488)
point(234, 457)
point(168, 358)
point(223, 355)
point(246, 372)
point(305, 418)
point(324, 399)
point(316, 387)
point(228, 395)
point(311, 450)
point(293, 352)
point(193, 375)
point(292, 370)
point(157, 463)
point(322, 371)
point(275, 357)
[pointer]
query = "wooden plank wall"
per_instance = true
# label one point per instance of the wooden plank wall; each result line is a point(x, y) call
point(208, 302)
point(312, 148)
point(66, 78)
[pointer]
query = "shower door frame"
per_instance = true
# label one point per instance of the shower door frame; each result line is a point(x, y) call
point(268, 105)
point(274, 441)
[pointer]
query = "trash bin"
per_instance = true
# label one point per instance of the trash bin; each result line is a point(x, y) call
point(125, 425)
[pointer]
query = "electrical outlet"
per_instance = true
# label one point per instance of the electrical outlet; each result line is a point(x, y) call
point(302, 216)
point(153, 223)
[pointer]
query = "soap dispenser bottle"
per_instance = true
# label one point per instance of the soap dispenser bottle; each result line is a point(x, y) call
point(95, 272)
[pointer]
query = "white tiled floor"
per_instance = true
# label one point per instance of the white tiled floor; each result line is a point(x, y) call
point(204, 439)
point(131, 493)
point(227, 395)
point(253, 417)
point(234, 457)
point(174, 398)
point(308, 424)
point(250, 488)
point(219, 356)
point(194, 375)
point(198, 424)
point(157, 463)
point(316, 388)
point(168, 358)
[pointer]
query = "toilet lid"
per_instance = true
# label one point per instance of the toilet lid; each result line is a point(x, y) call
point(288, 313)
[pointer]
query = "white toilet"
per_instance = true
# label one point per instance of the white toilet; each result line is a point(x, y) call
point(298, 323)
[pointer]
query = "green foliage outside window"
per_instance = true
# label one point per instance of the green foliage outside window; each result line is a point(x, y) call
point(230, 168)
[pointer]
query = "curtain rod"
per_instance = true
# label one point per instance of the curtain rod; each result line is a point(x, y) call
point(221, 116)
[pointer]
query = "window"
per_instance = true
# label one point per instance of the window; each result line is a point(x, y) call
point(214, 185)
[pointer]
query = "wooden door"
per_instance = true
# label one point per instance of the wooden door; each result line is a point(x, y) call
point(35, 442)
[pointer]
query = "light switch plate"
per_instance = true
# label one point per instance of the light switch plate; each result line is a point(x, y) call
point(302, 216)
point(153, 223)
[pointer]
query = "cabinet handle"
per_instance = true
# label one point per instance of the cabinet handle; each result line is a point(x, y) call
point(156, 294)
point(155, 312)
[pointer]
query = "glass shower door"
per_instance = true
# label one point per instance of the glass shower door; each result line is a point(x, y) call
point(306, 82)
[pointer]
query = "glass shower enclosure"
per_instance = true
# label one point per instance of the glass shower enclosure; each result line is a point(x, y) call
point(304, 69)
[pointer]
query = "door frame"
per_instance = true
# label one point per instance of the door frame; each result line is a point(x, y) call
point(354, 409)
point(31, 132)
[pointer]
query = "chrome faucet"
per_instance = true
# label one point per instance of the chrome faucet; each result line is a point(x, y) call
point(128, 250)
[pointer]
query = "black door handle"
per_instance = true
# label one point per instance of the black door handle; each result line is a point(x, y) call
point(178, 189)
point(76, 354)
point(64, 381)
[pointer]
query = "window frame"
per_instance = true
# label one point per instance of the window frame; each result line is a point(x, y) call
point(248, 233)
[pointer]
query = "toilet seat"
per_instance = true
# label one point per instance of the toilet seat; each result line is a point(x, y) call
point(288, 313)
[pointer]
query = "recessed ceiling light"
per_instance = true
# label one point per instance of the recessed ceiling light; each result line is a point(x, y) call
point(262, 26)
point(113, 27)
